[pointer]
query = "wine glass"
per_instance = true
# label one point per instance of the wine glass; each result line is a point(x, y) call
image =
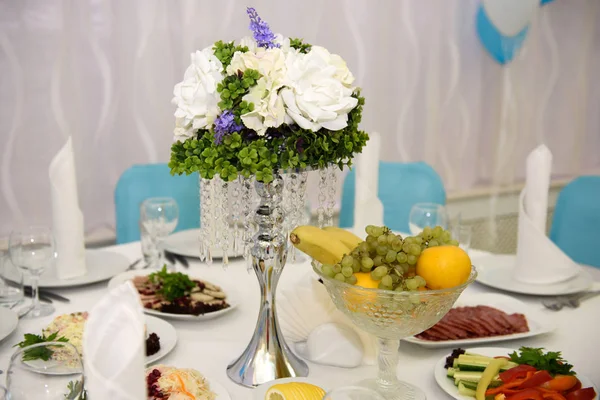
point(353, 393)
point(59, 377)
point(427, 214)
point(4, 395)
point(391, 316)
point(32, 250)
point(158, 218)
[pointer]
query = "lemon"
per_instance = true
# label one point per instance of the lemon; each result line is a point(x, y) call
point(364, 279)
point(294, 391)
point(444, 266)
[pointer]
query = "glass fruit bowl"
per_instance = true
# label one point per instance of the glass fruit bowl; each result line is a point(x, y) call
point(391, 316)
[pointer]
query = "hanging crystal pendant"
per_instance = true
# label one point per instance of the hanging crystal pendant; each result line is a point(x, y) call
point(322, 197)
point(223, 217)
point(331, 194)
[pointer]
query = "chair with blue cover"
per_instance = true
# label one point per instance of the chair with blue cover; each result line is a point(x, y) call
point(576, 222)
point(140, 182)
point(401, 185)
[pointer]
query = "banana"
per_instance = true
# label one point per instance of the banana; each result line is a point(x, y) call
point(348, 238)
point(318, 244)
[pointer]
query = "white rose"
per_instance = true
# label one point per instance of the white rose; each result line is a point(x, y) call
point(196, 96)
point(269, 111)
point(317, 93)
point(249, 42)
point(268, 62)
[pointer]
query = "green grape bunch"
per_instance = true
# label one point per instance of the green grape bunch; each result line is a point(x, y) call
point(389, 258)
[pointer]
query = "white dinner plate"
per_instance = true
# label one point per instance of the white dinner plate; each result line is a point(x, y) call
point(447, 384)
point(129, 275)
point(186, 243)
point(101, 265)
point(8, 322)
point(497, 272)
point(166, 334)
point(537, 322)
point(261, 391)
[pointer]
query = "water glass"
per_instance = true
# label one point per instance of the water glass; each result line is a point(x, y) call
point(11, 292)
point(463, 234)
point(59, 378)
point(158, 218)
point(353, 393)
point(32, 250)
point(427, 214)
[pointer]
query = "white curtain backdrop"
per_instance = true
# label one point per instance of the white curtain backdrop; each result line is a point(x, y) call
point(103, 71)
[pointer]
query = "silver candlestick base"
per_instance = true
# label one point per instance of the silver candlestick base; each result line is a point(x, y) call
point(267, 357)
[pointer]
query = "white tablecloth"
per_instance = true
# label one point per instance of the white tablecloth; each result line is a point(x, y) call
point(209, 346)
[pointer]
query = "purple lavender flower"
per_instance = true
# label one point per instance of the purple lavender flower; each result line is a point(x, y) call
point(224, 124)
point(262, 33)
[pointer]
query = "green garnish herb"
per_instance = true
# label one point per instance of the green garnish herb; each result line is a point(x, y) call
point(76, 391)
point(41, 352)
point(173, 285)
point(551, 361)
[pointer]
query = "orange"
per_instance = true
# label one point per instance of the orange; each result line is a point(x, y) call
point(364, 279)
point(444, 267)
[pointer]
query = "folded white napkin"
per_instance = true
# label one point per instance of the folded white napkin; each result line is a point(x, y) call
point(322, 333)
point(539, 260)
point(114, 347)
point(368, 209)
point(66, 214)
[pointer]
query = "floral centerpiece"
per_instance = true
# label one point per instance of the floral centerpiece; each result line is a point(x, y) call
point(264, 104)
point(261, 112)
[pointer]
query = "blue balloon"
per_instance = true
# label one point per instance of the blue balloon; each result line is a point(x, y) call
point(502, 48)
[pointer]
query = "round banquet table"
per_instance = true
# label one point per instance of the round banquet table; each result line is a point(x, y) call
point(209, 346)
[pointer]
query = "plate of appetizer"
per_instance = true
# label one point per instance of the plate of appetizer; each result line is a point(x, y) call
point(484, 318)
point(290, 388)
point(185, 243)
point(177, 295)
point(161, 336)
point(503, 374)
point(166, 382)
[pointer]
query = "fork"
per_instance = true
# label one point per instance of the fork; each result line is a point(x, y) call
point(568, 301)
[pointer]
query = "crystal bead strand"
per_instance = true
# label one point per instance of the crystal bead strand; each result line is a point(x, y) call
point(223, 214)
point(322, 196)
point(235, 214)
point(291, 216)
point(302, 196)
point(331, 194)
point(247, 203)
point(201, 236)
point(209, 227)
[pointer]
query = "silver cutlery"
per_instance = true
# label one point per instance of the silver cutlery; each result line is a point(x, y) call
point(573, 301)
point(133, 264)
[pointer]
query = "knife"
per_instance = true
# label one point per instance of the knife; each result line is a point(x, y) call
point(47, 294)
point(173, 258)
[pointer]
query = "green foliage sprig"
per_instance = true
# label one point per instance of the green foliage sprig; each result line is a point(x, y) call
point(224, 51)
point(41, 352)
point(234, 87)
point(551, 361)
point(174, 285)
point(282, 148)
point(299, 44)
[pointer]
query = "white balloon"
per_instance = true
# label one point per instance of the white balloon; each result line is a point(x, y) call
point(510, 16)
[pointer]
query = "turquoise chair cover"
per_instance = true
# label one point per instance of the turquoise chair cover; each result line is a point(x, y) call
point(400, 187)
point(576, 223)
point(154, 180)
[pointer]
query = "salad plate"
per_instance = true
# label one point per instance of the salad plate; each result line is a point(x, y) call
point(448, 386)
point(167, 335)
point(101, 265)
point(130, 275)
point(537, 323)
point(186, 243)
point(497, 272)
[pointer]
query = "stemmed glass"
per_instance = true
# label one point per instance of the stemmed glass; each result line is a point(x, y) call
point(158, 218)
point(59, 377)
point(427, 214)
point(32, 250)
point(391, 316)
point(353, 393)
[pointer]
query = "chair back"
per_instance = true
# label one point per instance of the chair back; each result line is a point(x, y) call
point(140, 182)
point(401, 186)
point(576, 222)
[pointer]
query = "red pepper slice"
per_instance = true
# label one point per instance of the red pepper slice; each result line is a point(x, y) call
point(551, 395)
point(527, 394)
point(507, 388)
point(517, 372)
point(582, 394)
point(537, 379)
point(574, 388)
